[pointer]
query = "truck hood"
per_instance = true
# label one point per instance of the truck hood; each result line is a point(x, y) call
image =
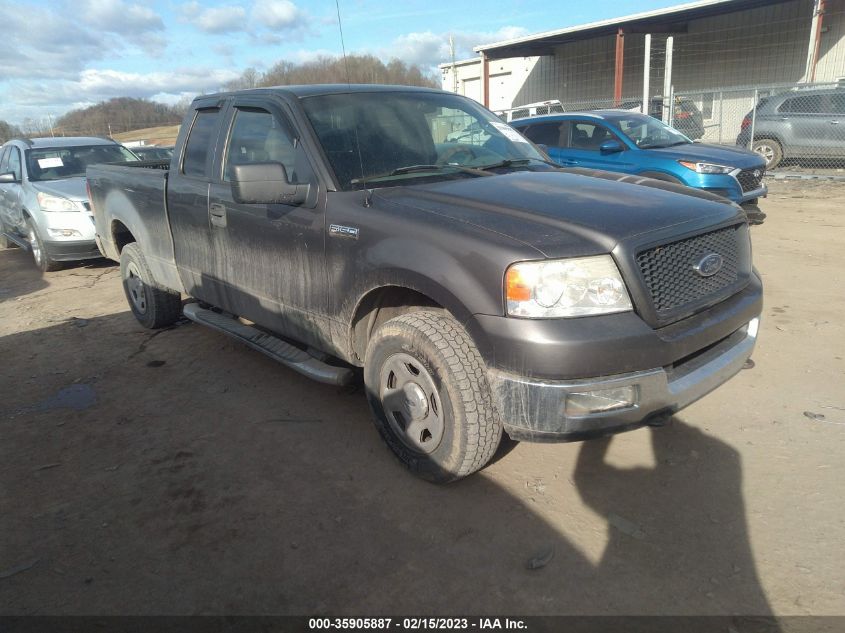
point(719, 154)
point(72, 188)
point(561, 214)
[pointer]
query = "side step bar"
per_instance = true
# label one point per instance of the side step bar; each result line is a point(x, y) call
point(274, 347)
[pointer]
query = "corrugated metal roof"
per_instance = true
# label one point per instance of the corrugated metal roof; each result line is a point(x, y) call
point(532, 44)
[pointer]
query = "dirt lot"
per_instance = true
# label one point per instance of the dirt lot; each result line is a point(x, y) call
point(180, 472)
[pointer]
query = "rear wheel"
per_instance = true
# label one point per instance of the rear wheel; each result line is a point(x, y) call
point(153, 306)
point(39, 252)
point(769, 149)
point(427, 387)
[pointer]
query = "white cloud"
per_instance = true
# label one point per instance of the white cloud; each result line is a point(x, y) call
point(118, 16)
point(429, 49)
point(225, 19)
point(35, 99)
point(277, 14)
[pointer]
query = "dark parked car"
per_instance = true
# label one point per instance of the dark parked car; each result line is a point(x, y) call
point(480, 289)
point(798, 124)
point(153, 152)
point(687, 117)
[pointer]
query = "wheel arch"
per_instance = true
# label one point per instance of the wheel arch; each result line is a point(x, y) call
point(384, 301)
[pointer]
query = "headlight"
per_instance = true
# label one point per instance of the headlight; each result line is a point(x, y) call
point(55, 203)
point(565, 288)
point(706, 168)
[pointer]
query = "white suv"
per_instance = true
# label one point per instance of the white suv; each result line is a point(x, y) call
point(43, 200)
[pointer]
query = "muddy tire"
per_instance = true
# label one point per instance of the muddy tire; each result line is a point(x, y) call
point(769, 149)
point(427, 387)
point(152, 305)
point(40, 255)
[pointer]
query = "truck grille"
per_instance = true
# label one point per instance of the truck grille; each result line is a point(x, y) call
point(674, 284)
point(750, 179)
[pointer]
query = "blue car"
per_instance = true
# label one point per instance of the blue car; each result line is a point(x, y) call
point(633, 143)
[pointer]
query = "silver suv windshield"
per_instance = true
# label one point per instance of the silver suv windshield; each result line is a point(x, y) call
point(375, 137)
point(58, 163)
point(647, 132)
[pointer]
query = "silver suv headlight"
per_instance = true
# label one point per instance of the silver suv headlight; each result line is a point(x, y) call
point(56, 203)
point(574, 287)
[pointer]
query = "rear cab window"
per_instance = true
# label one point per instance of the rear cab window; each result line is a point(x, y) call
point(200, 143)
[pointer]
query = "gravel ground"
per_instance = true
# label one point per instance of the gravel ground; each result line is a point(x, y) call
point(179, 472)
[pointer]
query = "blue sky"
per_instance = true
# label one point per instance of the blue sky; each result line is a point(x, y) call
point(62, 55)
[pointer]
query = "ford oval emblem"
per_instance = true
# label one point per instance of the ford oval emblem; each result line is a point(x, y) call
point(709, 265)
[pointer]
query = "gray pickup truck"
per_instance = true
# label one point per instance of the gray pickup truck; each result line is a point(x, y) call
point(481, 289)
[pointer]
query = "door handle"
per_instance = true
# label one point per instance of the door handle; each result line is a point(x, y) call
point(834, 122)
point(217, 212)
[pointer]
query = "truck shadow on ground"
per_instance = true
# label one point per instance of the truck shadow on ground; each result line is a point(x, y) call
point(199, 477)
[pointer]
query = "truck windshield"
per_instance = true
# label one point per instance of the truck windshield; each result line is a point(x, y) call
point(649, 133)
point(374, 137)
point(57, 163)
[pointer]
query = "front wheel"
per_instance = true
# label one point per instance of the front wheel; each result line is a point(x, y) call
point(153, 306)
point(769, 149)
point(39, 252)
point(427, 387)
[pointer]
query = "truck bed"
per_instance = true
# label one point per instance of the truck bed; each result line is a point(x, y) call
point(137, 194)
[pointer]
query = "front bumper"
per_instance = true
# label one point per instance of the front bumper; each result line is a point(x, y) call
point(68, 251)
point(535, 410)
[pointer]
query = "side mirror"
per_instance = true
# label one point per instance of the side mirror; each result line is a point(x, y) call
point(266, 183)
point(611, 147)
point(8, 178)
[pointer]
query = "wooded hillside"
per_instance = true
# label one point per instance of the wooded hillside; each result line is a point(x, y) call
point(120, 114)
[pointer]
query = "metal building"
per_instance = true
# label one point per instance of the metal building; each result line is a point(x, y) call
point(723, 54)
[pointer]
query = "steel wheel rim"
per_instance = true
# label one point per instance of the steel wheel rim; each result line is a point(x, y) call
point(411, 403)
point(34, 245)
point(135, 288)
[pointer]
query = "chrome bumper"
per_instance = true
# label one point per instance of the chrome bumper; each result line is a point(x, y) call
point(535, 410)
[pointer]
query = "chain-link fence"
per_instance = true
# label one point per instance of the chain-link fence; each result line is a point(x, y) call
point(796, 127)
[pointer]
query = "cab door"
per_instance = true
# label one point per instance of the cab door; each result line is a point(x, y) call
point(271, 257)
point(583, 149)
point(187, 204)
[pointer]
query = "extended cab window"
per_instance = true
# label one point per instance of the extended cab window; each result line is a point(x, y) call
point(258, 137)
point(199, 143)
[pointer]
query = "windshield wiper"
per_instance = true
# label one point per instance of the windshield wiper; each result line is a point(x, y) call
point(410, 169)
point(510, 162)
point(662, 146)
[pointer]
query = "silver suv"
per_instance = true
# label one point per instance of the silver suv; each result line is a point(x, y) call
point(808, 124)
point(43, 200)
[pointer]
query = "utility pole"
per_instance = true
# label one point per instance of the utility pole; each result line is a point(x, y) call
point(646, 73)
point(667, 81)
point(50, 119)
point(454, 67)
point(109, 124)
